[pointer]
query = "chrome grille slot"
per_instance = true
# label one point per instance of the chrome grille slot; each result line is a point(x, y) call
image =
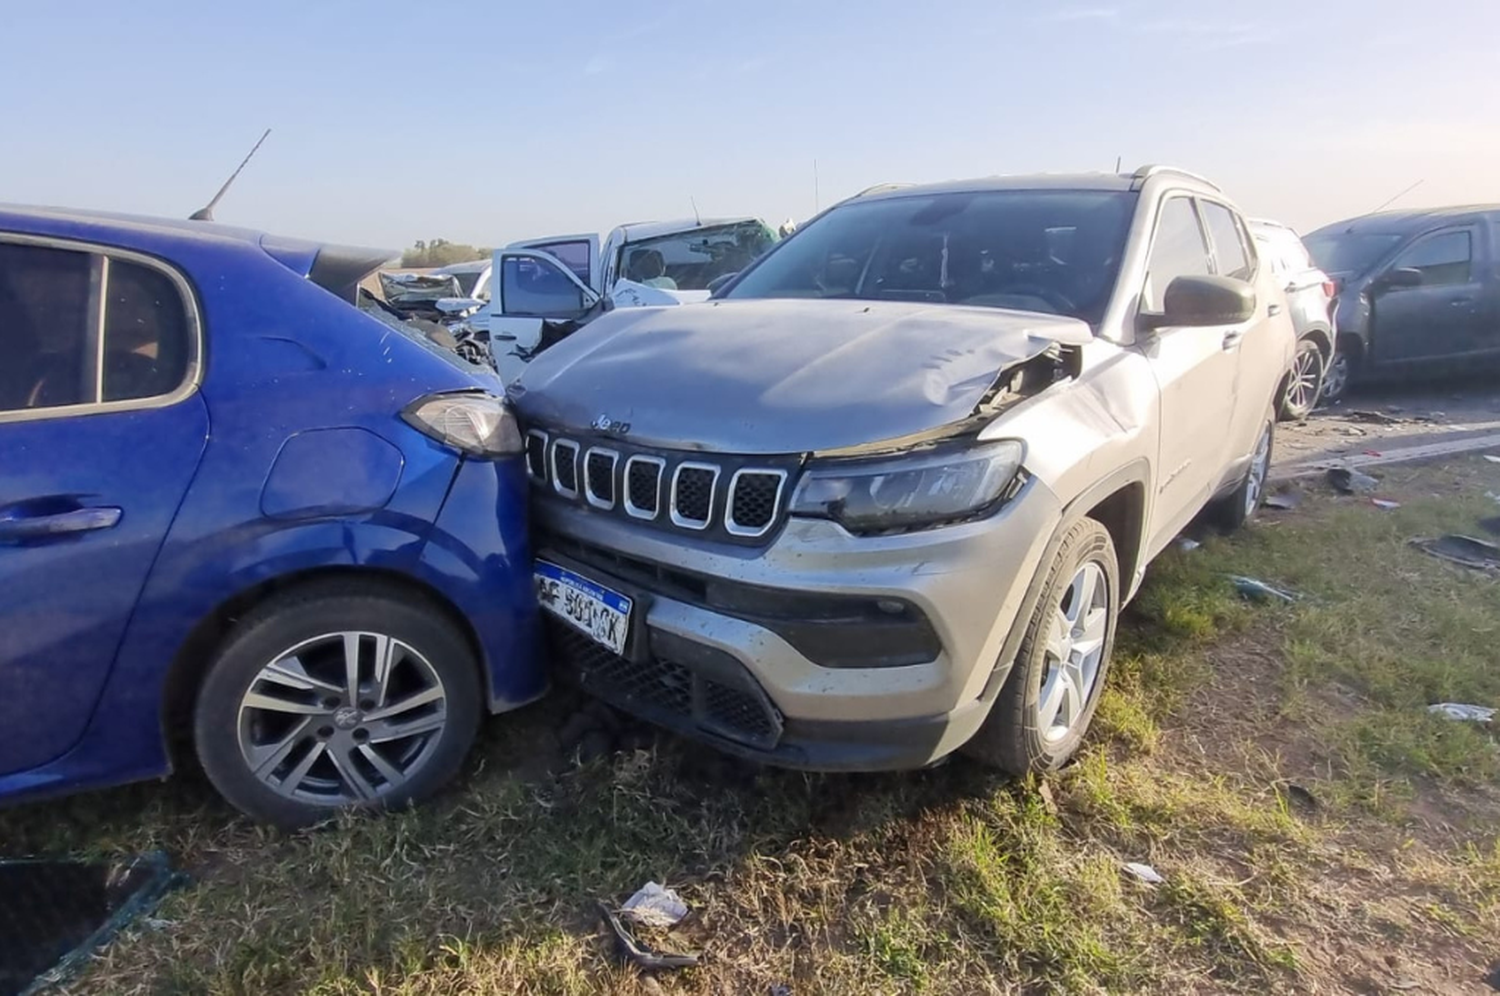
point(536, 454)
point(599, 477)
point(692, 502)
point(565, 468)
point(754, 498)
point(643, 486)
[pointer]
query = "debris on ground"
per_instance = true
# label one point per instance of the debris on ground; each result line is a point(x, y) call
point(1491, 525)
point(1258, 591)
point(1284, 502)
point(627, 949)
point(1049, 803)
point(1298, 793)
point(1493, 979)
point(1492, 458)
point(1346, 480)
point(1187, 544)
point(1385, 503)
point(55, 914)
point(654, 906)
point(1145, 873)
point(1463, 713)
point(1374, 418)
point(1464, 550)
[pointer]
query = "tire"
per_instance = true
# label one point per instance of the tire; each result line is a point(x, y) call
point(1338, 373)
point(1018, 737)
point(1304, 385)
point(1239, 506)
point(374, 749)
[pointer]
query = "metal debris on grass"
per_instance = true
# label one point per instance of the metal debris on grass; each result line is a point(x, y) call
point(1346, 480)
point(630, 950)
point(1462, 712)
point(1145, 873)
point(1259, 591)
point(1464, 550)
point(1492, 458)
point(654, 906)
point(1187, 544)
point(1374, 418)
point(1385, 503)
point(1283, 502)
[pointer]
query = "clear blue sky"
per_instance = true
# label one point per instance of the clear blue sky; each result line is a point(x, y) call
point(490, 121)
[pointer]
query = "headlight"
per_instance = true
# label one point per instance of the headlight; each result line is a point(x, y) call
point(474, 423)
point(910, 492)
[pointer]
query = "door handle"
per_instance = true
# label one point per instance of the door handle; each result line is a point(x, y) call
point(79, 520)
point(1273, 309)
point(1232, 339)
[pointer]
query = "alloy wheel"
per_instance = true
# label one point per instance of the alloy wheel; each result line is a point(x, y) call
point(1075, 649)
point(342, 719)
point(1306, 380)
point(1336, 377)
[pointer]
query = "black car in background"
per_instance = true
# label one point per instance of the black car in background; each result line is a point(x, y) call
point(1415, 289)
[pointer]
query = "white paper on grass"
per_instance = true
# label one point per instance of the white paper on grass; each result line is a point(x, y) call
point(1463, 713)
point(654, 906)
point(1145, 873)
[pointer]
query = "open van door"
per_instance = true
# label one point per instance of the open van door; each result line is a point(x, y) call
point(529, 287)
point(579, 253)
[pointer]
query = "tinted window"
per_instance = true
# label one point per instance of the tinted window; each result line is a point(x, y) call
point(573, 255)
point(1443, 259)
point(536, 288)
point(1178, 250)
point(147, 341)
point(1346, 252)
point(1053, 251)
point(49, 301)
point(1229, 244)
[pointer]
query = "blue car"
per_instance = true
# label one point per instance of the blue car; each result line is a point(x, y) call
point(245, 513)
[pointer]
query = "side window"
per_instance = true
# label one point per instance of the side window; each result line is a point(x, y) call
point(1178, 250)
point(1234, 259)
point(1443, 259)
point(535, 288)
point(574, 255)
point(50, 330)
point(147, 340)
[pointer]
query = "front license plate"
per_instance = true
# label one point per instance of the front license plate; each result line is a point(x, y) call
point(587, 606)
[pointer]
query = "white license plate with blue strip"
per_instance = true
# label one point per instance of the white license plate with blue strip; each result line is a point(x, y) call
point(594, 610)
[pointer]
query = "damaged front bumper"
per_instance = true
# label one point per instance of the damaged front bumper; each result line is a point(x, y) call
point(820, 650)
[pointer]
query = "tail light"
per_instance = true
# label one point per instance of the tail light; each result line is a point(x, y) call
point(1330, 288)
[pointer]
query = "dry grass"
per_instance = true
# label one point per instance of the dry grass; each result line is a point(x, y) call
point(1317, 830)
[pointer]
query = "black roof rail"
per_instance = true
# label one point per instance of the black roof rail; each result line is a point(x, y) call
point(1140, 176)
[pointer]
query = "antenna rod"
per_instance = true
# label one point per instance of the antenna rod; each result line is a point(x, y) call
point(1403, 193)
point(697, 219)
point(1117, 163)
point(206, 213)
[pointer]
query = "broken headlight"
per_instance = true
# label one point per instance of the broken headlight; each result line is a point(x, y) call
point(910, 492)
point(472, 422)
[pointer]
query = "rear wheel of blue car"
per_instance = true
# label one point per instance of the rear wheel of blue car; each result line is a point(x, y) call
point(345, 695)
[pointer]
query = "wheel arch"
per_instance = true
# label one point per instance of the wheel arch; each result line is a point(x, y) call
point(191, 663)
point(1323, 336)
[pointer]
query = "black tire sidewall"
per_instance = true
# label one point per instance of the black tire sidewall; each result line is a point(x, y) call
point(1010, 738)
point(282, 623)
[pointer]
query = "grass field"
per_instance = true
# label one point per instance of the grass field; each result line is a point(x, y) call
point(1317, 830)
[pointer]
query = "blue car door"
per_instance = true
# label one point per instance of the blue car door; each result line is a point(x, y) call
point(101, 431)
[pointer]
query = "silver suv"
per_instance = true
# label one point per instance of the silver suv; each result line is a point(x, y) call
point(884, 496)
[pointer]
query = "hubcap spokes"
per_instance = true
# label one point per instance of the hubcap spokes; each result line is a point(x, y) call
point(342, 718)
point(1305, 378)
point(1075, 649)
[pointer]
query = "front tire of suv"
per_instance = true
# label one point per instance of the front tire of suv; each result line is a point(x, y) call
point(1048, 700)
point(1304, 385)
point(1237, 508)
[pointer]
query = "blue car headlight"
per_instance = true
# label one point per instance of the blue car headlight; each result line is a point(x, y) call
point(917, 491)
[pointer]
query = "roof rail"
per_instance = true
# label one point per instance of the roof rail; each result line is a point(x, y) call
point(880, 188)
point(1143, 174)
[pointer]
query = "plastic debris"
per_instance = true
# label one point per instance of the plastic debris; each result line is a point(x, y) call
point(1385, 503)
point(1285, 502)
point(1464, 550)
point(1375, 418)
point(1348, 481)
point(1300, 794)
point(1258, 591)
point(1491, 525)
point(628, 949)
point(1187, 545)
point(654, 906)
point(1463, 713)
point(1145, 873)
point(1492, 458)
point(1493, 978)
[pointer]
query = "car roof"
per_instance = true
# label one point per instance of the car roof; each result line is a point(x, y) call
point(640, 230)
point(1401, 222)
point(1044, 181)
point(105, 223)
point(474, 266)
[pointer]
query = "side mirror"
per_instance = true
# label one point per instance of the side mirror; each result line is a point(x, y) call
point(717, 283)
point(1399, 278)
point(1200, 301)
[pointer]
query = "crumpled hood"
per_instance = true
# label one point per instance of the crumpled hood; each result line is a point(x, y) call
point(781, 376)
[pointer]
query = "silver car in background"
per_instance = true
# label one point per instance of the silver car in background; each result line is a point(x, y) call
point(1318, 373)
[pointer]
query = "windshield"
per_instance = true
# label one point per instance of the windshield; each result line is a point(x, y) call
point(690, 260)
point(1350, 252)
point(1053, 251)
